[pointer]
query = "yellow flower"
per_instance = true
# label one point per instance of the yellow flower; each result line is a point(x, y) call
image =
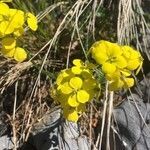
point(72, 100)
point(8, 43)
point(8, 53)
point(78, 62)
point(32, 21)
point(74, 88)
point(19, 54)
point(117, 74)
point(78, 66)
point(82, 68)
point(71, 114)
point(10, 50)
point(109, 55)
point(10, 22)
point(120, 79)
point(133, 58)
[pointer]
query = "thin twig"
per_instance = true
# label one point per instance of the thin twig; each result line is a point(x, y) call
point(109, 119)
point(104, 116)
point(14, 112)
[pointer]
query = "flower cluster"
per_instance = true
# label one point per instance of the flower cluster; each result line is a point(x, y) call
point(12, 22)
point(74, 88)
point(117, 62)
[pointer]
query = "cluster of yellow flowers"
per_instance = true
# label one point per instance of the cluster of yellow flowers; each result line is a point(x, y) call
point(117, 62)
point(74, 88)
point(12, 22)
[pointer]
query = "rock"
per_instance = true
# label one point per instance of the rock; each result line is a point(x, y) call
point(53, 133)
point(131, 125)
point(6, 143)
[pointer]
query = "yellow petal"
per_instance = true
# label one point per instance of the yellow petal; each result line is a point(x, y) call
point(8, 43)
point(82, 96)
point(136, 61)
point(72, 101)
point(5, 28)
point(133, 64)
point(76, 70)
point(8, 53)
point(14, 22)
point(99, 52)
point(134, 54)
point(76, 83)
point(113, 49)
point(78, 62)
point(127, 51)
point(133, 57)
point(121, 62)
point(125, 72)
point(128, 82)
point(108, 68)
point(4, 9)
point(32, 21)
point(66, 89)
point(20, 54)
point(71, 115)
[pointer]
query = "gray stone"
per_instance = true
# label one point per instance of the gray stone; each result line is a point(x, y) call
point(55, 133)
point(132, 127)
point(6, 143)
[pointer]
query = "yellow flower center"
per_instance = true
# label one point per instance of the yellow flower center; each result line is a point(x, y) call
point(111, 59)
